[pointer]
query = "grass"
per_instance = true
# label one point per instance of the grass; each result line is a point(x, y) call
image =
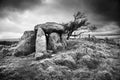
point(82, 60)
point(8, 43)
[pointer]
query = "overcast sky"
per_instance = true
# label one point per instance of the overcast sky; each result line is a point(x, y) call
point(17, 16)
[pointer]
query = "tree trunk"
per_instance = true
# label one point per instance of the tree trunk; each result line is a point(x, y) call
point(69, 34)
point(68, 37)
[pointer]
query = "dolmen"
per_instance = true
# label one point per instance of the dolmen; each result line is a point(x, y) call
point(45, 39)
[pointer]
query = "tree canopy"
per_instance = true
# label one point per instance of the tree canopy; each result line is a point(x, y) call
point(79, 21)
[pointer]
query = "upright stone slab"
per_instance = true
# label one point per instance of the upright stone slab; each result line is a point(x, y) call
point(26, 44)
point(40, 43)
point(55, 43)
point(64, 42)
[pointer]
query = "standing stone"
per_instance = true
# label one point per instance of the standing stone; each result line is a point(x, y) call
point(40, 43)
point(55, 42)
point(64, 42)
point(26, 44)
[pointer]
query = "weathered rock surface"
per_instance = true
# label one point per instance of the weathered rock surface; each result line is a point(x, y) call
point(40, 43)
point(50, 27)
point(26, 44)
point(53, 37)
point(45, 38)
point(55, 43)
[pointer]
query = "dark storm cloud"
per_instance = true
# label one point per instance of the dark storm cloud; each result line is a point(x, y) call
point(16, 5)
point(71, 4)
point(108, 9)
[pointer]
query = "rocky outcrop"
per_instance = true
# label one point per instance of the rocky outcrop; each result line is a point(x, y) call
point(53, 36)
point(45, 38)
point(26, 44)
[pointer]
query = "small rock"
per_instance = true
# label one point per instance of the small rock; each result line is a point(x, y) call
point(38, 56)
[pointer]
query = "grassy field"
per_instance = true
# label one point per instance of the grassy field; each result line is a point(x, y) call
point(8, 41)
point(83, 59)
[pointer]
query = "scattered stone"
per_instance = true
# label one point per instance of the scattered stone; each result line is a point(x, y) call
point(44, 55)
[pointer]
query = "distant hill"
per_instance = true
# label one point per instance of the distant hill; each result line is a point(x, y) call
point(14, 39)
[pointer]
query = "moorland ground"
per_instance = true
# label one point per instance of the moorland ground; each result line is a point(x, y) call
point(83, 59)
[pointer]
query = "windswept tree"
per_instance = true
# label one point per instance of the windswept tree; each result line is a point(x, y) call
point(79, 21)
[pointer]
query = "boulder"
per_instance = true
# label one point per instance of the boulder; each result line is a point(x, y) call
point(27, 34)
point(46, 63)
point(50, 27)
point(55, 43)
point(26, 44)
point(39, 56)
point(40, 43)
